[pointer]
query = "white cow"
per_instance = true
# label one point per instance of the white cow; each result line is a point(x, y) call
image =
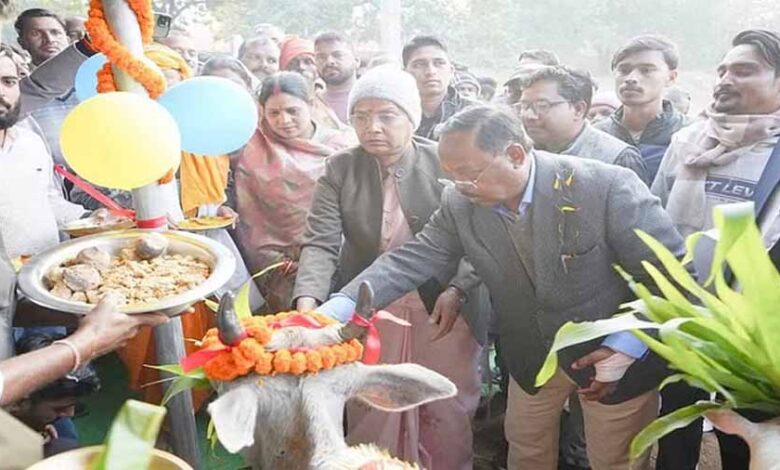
point(288, 422)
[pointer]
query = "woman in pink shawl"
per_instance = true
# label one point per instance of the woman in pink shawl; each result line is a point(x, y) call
point(275, 177)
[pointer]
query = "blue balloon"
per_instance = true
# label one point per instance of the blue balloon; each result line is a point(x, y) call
point(215, 115)
point(86, 77)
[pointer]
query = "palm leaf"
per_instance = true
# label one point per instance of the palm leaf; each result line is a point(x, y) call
point(576, 333)
point(182, 381)
point(729, 345)
point(666, 424)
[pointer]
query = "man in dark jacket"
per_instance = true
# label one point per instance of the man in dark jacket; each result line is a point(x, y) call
point(426, 58)
point(643, 68)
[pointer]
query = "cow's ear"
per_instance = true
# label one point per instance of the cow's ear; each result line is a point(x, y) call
point(235, 417)
point(399, 387)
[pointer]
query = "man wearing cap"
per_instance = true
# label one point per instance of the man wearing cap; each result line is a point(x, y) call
point(297, 55)
point(528, 62)
point(371, 199)
point(467, 85)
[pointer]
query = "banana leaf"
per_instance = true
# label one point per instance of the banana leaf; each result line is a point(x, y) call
point(132, 436)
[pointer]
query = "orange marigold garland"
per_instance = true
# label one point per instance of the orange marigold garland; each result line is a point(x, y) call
point(250, 354)
point(103, 40)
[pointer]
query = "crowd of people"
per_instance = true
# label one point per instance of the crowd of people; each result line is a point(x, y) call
point(485, 214)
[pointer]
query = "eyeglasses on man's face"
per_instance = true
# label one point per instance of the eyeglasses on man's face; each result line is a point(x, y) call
point(539, 107)
point(471, 185)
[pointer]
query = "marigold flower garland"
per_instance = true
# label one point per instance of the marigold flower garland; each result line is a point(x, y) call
point(118, 55)
point(250, 354)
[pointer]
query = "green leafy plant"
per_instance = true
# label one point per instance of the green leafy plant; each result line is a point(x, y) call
point(727, 342)
point(181, 381)
point(132, 436)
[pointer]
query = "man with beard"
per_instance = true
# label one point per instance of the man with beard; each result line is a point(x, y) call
point(297, 55)
point(260, 54)
point(732, 155)
point(644, 68)
point(426, 58)
point(41, 33)
point(337, 66)
point(31, 204)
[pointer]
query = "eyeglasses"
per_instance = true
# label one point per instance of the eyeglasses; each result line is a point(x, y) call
point(363, 120)
point(539, 107)
point(473, 185)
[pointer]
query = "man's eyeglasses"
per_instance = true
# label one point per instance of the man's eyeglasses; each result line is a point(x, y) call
point(539, 107)
point(363, 120)
point(473, 184)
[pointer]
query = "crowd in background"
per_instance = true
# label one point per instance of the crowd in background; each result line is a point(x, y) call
point(345, 166)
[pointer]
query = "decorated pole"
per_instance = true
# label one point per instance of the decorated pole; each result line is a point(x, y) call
point(152, 204)
point(390, 27)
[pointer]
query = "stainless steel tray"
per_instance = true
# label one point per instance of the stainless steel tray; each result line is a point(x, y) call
point(221, 260)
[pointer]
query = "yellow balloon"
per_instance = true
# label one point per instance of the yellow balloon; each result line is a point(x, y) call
point(120, 140)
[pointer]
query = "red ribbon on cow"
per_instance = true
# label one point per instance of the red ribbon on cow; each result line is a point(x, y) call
point(373, 346)
point(199, 358)
point(298, 319)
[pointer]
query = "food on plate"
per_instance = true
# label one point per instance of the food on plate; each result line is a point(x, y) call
point(151, 246)
point(102, 222)
point(81, 277)
point(95, 257)
point(143, 272)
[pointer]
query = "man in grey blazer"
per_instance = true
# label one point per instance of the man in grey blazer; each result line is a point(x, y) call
point(543, 232)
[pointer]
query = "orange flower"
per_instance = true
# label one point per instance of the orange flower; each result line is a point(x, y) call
point(102, 39)
point(264, 364)
point(221, 368)
point(251, 355)
point(328, 357)
point(281, 361)
point(298, 364)
point(313, 361)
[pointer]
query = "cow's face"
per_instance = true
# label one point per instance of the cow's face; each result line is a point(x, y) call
point(287, 422)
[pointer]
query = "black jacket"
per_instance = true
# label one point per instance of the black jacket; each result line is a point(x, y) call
point(654, 140)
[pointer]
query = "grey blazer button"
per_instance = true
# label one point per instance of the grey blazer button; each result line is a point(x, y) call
point(400, 173)
point(413, 220)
